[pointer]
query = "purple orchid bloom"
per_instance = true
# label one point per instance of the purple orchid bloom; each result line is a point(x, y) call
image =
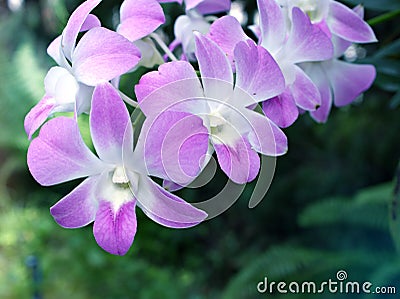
point(195, 21)
point(98, 57)
point(301, 43)
point(115, 181)
point(339, 82)
point(341, 21)
point(235, 132)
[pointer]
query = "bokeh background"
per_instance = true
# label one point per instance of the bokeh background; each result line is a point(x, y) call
point(332, 204)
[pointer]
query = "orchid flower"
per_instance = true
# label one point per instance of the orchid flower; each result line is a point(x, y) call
point(195, 20)
point(99, 56)
point(115, 182)
point(341, 21)
point(235, 132)
point(301, 43)
point(339, 82)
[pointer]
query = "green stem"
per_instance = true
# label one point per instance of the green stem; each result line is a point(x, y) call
point(163, 46)
point(128, 100)
point(384, 17)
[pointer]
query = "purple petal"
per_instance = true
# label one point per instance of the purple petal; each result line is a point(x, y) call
point(79, 207)
point(140, 18)
point(304, 91)
point(340, 45)
point(208, 6)
point(256, 30)
point(74, 26)
point(239, 162)
point(190, 4)
point(345, 91)
point(62, 85)
point(38, 115)
point(227, 42)
point(317, 74)
point(322, 113)
point(175, 143)
point(348, 25)
point(109, 123)
point(282, 110)
point(102, 55)
point(55, 51)
point(168, 1)
point(359, 10)
point(59, 154)
point(171, 186)
point(264, 136)
point(212, 60)
point(91, 22)
point(323, 26)
point(272, 25)
point(213, 64)
point(166, 208)
point(257, 72)
point(172, 83)
point(306, 41)
point(114, 230)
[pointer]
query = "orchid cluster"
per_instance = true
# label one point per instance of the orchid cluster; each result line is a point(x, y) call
point(250, 83)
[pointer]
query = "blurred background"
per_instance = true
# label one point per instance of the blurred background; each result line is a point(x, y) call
point(332, 204)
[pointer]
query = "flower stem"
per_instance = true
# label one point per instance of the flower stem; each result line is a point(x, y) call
point(128, 100)
point(163, 46)
point(384, 17)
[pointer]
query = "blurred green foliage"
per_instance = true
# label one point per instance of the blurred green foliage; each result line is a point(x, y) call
point(331, 205)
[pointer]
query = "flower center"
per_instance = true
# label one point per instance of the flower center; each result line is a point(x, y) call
point(315, 9)
point(119, 176)
point(122, 188)
point(221, 129)
point(215, 119)
point(308, 6)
